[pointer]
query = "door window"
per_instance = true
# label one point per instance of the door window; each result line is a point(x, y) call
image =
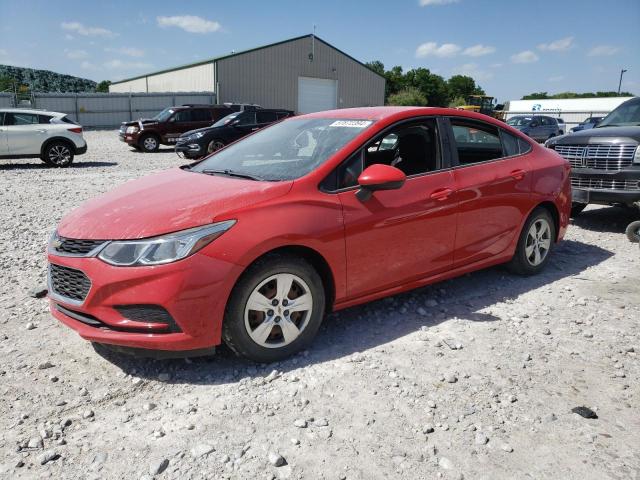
point(510, 144)
point(476, 141)
point(16, 118)
point(246, 118)
point(201, 115)
point(183, 116)
point(266, 117)
point(546, 121)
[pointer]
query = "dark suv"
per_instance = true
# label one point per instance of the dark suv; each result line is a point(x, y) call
point(198, 143)
point(165, 128)
point(605, 160)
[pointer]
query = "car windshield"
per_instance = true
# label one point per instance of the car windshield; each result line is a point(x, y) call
point(519, 121)
point(625, 115)
point(286, 150)
point(224, 120)
point(164, 115)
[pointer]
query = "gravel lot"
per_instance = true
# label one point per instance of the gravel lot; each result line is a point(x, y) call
point(471, 378)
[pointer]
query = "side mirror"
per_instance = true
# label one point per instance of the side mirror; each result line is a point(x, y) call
point(379, 177)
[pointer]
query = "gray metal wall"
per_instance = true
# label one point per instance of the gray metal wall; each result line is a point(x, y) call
point(6, 100)
point(108, 110)
point(269, 76)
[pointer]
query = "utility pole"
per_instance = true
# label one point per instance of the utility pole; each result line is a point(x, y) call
point(622, 72)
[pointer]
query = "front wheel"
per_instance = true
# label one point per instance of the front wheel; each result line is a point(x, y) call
point(633, 231)
point(275, 309)
point(58, 154)
point(214, 145)
point(149, 143)
point(535, 243)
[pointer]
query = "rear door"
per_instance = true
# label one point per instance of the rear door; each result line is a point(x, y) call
point(201, 117)
point(4, 148)
point(493, 189)
point(180, 122)
point(24, 133)
point(398, 235)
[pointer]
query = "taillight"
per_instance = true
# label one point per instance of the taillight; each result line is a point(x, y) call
point(76, 130)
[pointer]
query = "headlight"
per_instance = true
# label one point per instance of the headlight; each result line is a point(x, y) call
point(636, 157)
point(163, 249)
point(195, 136)
point(132, 129)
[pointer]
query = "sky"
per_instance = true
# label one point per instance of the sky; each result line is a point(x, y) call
point(510, 47)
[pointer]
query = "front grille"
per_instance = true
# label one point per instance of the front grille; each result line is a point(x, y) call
point(598, 156)
point(72, 246)
point(605, 184)
point(69, 282)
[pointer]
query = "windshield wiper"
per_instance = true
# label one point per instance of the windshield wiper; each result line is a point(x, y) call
point(232, 173)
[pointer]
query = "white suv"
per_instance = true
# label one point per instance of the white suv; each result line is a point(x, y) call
point(50, 136)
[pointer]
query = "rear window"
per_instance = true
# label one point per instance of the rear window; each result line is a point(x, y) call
point(44, 118)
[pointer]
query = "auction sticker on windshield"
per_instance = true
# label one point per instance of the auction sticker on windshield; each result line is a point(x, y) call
point(351, 123)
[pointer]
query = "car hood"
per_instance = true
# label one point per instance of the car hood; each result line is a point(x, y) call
point(203, 129)
point(144, 121)
point(599, 135)
point(165, 202)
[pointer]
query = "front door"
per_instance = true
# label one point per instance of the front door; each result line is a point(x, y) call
point(24, 134)
point(399, 235)
point(493, 190)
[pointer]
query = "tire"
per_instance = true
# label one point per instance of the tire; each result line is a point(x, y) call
point(58, 154)
point(259, 334)
point(577, 208)
point(214, 145)
point(538, 235)
point(149, 143)
point(633, 231)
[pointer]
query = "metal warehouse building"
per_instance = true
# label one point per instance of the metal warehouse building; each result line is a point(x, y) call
point(303, 74)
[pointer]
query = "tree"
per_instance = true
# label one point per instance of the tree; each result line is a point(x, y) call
point(103, 86)
point(430, 85)
point(536, 96)
point(544, 95)
point(463, 86)
point(409, 97)
point(6, 83)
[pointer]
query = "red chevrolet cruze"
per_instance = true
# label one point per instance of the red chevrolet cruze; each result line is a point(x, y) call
point(256, 243)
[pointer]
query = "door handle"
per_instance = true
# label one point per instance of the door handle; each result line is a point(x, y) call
point(254, 129)
point(518, 174)
point(41, 130)
point(441, 194)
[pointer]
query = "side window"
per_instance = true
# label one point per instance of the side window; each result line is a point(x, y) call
point(183, 116)
point(246, 118)
point(201, 115)
point(20, 119)
point(44, 119)
point(525, 147)
point(266, 117)
point(349, 171)
point(282, 115)
point(510, 145)
point(476, 141)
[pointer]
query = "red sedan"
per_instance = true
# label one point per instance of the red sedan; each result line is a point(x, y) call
point(253, 245)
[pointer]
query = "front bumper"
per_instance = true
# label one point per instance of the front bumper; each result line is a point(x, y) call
point(129, 138)
point(190, 150)
point(605, 187)
point(193, 291)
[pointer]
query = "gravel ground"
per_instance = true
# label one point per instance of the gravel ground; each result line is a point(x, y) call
point(471, 378)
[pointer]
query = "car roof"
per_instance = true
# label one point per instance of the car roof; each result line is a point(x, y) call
point(32, 110)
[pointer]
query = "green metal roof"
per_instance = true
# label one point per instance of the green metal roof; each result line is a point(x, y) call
point(235, 54)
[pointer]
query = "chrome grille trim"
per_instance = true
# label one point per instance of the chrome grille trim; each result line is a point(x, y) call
point(598, 156)
point(605, 184)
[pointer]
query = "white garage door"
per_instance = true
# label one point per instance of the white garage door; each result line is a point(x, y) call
point(316, 94)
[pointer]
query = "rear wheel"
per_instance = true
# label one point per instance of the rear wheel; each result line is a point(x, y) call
point(535, 243)
point(275, 309)
point(633, 231)
point(58, 154)
point(149, 143)
point(214, 145)
point(577, 208)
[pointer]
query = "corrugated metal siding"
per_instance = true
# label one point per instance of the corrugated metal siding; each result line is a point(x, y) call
point(139, 85)
point(269, 76)
point(6, 100)
point(191, 79)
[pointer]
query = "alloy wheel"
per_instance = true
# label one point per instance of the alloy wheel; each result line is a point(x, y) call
point(214, 145)
point(150, 143)
point(278, 310)
point(59, 155)
point(538, 242)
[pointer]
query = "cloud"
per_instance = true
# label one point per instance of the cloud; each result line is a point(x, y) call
point(85, 31)
point(478, 50)
point(119, 65)
point(556, 78)
point(557, 45)
point(496, 65)
point(472, 70)
point(189, 23)
point(76, 54)
point(68, 37)
point(3, 52)
point(525, 57)
point(88, 65)
point(601, 50)
point(427, 3)
point(128, 51)
point(432, 49)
